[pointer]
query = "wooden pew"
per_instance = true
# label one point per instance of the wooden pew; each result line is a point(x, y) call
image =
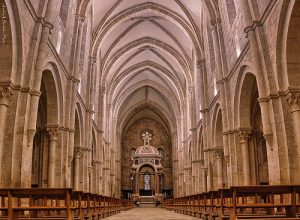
point(266, 199)
point(18, 203)
point(281, 201)
point(55, 203)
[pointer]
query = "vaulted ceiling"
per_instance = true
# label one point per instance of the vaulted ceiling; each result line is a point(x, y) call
point(148, 51)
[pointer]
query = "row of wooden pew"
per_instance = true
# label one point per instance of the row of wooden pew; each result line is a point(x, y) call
point(57, 203)
point(276, 201)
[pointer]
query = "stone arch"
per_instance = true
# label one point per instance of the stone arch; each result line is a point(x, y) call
point(49, 86)
point(11, 42)
point(200, 144)
point(253, 148)
point(51, 78)
point(94, 145)
point(293, 47)
point(288, 45)
point(218, 167)
point(77, 162)
point(218, 128)
point(78, 141)
point(247, 83)
point(47, 124)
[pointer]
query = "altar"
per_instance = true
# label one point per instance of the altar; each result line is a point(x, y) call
point(146, 171)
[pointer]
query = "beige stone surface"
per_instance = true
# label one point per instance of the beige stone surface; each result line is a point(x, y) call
point(149, 214)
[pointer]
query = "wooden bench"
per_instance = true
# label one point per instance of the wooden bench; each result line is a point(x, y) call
point(267, 199)
point(32, 203)
point(55, 203)
point(281, 201)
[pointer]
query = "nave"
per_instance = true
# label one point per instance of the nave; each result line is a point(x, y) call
point(106, 104)
point(149, 214)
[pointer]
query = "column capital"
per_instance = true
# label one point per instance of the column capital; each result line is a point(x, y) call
point(293, 100)
point(77, 152)
point(5, 94)
point(219, 153)
point(52, 132)
point(244, 135)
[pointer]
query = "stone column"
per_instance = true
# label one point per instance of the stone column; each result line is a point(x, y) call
point(294, 102)
point(77, 157)
point(219, 162)
point(5, 94)
point(244, 140)
point(53, 133)
point(201, 70)
point(204, 178)
point(137, 183)
point(157, 184)
point(74, 88)
point(216, 44)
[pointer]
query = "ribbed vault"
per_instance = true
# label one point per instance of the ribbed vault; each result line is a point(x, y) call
point(148, 52)
point(147, 44)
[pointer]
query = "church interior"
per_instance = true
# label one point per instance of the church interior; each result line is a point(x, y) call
point(186, 108)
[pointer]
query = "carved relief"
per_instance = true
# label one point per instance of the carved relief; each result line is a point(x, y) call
point(5, 94)
point(244, 136)
point(293, 100)
point(53, 133)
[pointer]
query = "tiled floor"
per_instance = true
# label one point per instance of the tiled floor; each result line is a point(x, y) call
point(149, 214)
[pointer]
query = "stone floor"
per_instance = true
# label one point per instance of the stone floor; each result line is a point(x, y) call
point(149, 214)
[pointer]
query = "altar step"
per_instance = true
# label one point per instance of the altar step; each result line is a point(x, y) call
point(147, 205)
point(147, 202)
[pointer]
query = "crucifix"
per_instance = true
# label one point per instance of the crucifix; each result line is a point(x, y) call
point(147, 138)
